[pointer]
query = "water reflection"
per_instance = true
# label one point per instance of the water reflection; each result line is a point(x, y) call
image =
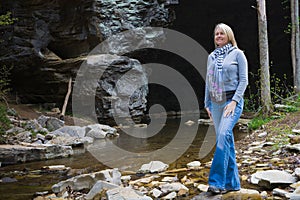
point(141, 151)
point(129, 152)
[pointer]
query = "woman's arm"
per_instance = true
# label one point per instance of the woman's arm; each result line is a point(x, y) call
point(243, 76)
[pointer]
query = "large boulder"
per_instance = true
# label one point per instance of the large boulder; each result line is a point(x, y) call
point(115, 94)
point(272, 178)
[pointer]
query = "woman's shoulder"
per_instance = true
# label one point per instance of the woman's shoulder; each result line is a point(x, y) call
point(238, 50)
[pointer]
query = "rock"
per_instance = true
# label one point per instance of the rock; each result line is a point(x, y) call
point(294, 147)
point(56, 168)
point(295, 139)
point(8, 180)
point(125, 178)
point(12, 112)
point(248, 191)
point(194, 165)
point(207, 196)
point(114, 176)
point(142, 181)
point(24, 137)
point(169, 196)
point(243, 194)
point(297, 172)
point(115, 100)
point(156, 192)
point(34, 126)
point(295, 185)
point(13, 154)
point(40, 137)
point(70, 131)
point(279, 192)
point(153, 167)
point(189, 123)
point(297, 191)
point(264, 195)
point(262, 165)
point(272, 178)
point(170, 187)
point(296, 131)
point(86, 181)
point(284, 108)
point(263, 134)
point(170, 179)
point(70, 141)
point(202, 187)
point(98, 188)
point(205, 121)
point(44, 193)
point(98, 131)
point(15, 130)
point(125, 194)
point(50, 123)
point(292, 196)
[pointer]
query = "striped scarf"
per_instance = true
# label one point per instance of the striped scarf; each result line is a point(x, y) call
point(220, 53)
point(215, 79)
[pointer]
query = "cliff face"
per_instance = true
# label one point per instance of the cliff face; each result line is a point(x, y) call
point(51, 38)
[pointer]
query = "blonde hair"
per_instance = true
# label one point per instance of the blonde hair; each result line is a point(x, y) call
point(228, 32)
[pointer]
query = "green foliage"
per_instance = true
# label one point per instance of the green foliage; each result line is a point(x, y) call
point(280, 91)
point(286, 6)
point(4, 81)
point(257, 123)
point(4, 121)
point(7, 19)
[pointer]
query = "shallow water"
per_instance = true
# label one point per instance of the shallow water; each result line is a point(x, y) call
point(175, 144)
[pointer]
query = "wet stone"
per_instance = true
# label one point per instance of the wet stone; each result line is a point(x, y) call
point(207, 196)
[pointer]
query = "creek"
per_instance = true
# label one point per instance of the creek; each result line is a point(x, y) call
point(29, 178)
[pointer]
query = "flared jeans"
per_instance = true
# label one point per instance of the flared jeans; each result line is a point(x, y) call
point(224, 171)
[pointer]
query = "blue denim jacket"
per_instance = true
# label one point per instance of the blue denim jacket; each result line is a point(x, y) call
point(235, 74)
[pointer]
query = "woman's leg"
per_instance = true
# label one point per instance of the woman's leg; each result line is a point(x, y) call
point(224, 164)
point(232, 175)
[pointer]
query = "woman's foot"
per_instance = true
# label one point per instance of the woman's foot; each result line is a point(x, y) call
point(214, 190)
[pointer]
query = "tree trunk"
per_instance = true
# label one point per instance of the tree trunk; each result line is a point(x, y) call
point(266, 102)
point(295, 44)
point(62, 115)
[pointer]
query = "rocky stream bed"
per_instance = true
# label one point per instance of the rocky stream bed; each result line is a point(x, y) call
point(268, 159)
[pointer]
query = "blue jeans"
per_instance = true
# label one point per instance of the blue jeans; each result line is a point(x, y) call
point(224, 171)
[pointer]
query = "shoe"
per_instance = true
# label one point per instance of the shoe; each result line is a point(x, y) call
point(224, 191)
point(229, 190)
point(214, 190)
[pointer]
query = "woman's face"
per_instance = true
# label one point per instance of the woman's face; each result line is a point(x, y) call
point(221, 38)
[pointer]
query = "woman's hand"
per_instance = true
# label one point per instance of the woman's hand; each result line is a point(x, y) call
point(209, 113)
point(229, 109)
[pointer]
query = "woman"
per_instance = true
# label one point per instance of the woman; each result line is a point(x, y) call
point(226, 82)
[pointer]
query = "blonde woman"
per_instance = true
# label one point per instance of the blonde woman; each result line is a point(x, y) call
point(226, 82)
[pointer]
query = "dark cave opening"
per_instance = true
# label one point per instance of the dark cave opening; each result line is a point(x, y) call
point(197, 19)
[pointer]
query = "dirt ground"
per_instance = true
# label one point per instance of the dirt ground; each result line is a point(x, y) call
point(33, 111)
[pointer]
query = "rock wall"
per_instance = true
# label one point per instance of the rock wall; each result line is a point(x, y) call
point(51, 38)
